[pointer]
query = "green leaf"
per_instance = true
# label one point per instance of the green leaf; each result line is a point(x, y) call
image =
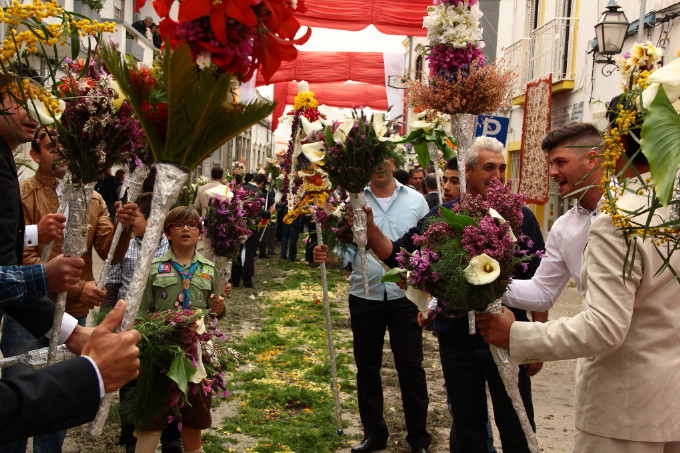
point(75, 43)
point(457, 221)
point(181, 371)
point(394, 275)
point(423, 154)
point(660, 143)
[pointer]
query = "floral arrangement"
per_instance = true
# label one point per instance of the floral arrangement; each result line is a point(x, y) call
point(97, 129)
point(41, 28)
point(646, 113)
point(179, 353)
point(455, 57)
point(355, 149)
point(332, 217)
point(230, 220)
point(429, 126)
point(637, 64)
point(467, 255)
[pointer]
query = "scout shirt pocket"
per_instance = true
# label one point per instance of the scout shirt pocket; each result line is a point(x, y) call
point(200, 289)
point(166, 288)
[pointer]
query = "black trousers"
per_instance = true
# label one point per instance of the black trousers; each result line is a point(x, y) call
point(369, 320)
point(466, 372)
point(245, 270)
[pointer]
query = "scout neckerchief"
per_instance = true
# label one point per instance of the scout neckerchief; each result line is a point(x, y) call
point(186, 281)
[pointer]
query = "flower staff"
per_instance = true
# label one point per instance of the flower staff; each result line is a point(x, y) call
point(354, 150)
point(306, 161)
point(185, 104)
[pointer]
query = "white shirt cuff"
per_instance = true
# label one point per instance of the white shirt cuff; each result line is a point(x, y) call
point(30, 235)
point(102, 392)
point(68, 325)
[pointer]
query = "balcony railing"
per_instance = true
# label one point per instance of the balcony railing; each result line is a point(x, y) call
point(549, 49)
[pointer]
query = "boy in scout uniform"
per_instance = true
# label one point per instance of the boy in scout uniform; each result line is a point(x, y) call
point(182, 279)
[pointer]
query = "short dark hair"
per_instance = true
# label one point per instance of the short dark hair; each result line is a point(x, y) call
point(401, 176)
point(119, 172)
point(419, 169)
point(431, 181)
point(630, 144)
point(248, 177)
point(143, 202)
point(572, 133)
point(216, 173)
point(182, 214)
point(259, 178)
point(451, 164)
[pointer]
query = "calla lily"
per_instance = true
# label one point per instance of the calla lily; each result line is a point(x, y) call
point(309, 127)
point(200, 373)
point(494, 214)
point(221, 191)
point(38, 111)
point(418, 297)
point(380, 127)
point(314, 151)
point(341, 132)
point(338, 211)
point(419, 124)
point(482, 270)
point(669, 77)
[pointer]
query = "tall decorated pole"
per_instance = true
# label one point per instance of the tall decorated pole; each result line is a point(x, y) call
point(186, 105)
point(303, 167)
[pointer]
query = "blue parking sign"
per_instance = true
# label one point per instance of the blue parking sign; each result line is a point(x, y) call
point(492, 126)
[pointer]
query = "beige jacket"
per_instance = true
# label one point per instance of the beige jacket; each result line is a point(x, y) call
point(628, 338)
point(201, 198)
point(38, 197)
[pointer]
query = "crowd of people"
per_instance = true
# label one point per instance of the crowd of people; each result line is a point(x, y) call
point(625, 334)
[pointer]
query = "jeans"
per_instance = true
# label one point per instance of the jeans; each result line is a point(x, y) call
point(17, 340)
point(369, 320)
point(289, 239)
point(466, 372)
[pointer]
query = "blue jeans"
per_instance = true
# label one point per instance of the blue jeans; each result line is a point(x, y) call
point(17, 340)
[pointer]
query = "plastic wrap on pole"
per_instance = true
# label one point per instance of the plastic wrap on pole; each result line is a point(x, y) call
point(169, 181)
point(133, 187)
point(222, 272)
point(37, 358)
point(463, 131)
point(75, 244)
point(436, 157)
point(64, 198)
point(357, 201)
point(508, 372)
point(329, 336)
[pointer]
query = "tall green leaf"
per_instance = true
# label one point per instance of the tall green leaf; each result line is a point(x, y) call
point(660, 143)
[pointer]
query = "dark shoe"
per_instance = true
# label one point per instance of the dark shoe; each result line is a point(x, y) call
point(369, 444)
point(173, 446)
point(295, 259)
point(248, 284)
point(419, 450)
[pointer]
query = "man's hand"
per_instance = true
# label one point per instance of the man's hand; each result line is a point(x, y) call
point(127, 213)
point(115, 354)
point(63, 273)
point(227, 289)
point(51, 227)
point(320, 254)
point(425, 321)
point(495, 329)
point(78, 338)
point(91, 295)
point(217, 304)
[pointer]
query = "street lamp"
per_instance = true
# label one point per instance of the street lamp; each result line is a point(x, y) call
point(610, 32)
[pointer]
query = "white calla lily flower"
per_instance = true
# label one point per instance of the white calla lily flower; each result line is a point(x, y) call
point(314, 152)
point(308, 127)
point(338, 211)
point(221, 191)
point(341, 132)
point(418, 297)
point(38, 111)
point(482, 270)
point(669, 77)
point(420, 124)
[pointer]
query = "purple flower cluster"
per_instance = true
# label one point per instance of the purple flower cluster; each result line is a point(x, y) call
point(455, 2)
point(437, 233)
point(450, 62)
point(229, 222)
point(509, 205)
point(419, 264)
point(488, 237)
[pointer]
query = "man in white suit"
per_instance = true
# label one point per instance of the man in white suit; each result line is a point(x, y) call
point(628, 375)
point(201, 202)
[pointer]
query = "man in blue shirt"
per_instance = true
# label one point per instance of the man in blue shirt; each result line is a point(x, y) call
point(396, 209)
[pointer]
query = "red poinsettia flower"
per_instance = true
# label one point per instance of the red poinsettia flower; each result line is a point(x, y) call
point(239, 10)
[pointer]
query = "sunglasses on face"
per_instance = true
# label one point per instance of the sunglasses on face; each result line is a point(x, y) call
point(180, 225)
